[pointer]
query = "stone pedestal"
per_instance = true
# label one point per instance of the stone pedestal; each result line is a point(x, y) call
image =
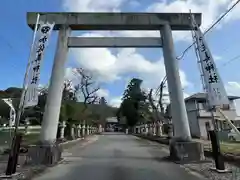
point(27, 126)
point(150, 130)
point(142, 129)
point(138, 129)
point(159, 129)
point(100, 128)
point(62, 126)
point(90, 130)
point(83, 131)
point(79, 131)
point(154, 130)
point(184, 152)
point(44, 154)
point(87, 130)
point(146, 129)
point(73, 131)
point(170, 131)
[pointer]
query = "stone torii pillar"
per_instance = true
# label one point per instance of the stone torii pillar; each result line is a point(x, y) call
point(54, 98)
point(179, 114)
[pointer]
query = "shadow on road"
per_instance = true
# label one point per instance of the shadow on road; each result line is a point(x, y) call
point(113, 133)
point(126, 158)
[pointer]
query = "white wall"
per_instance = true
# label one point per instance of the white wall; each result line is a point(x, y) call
point(192, 118)
point(190, 106)
point(193, 123)
point(202, 126)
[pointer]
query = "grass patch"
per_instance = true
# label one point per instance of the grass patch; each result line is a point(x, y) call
point(228, 147)
point(30, 138)
point(6, 137)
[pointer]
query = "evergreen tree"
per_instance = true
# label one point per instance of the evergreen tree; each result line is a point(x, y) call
point(132, 102)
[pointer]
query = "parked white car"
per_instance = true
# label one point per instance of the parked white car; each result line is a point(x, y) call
point(233, 136)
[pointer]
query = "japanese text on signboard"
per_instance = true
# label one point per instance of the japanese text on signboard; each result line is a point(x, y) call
point(40, 44)
point(214, 86)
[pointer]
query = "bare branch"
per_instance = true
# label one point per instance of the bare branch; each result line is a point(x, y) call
point(87, 87)
point(154, 107)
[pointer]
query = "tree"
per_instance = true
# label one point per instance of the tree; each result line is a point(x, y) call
point(158, 115)
point(102, 114)
point(68, 91)
point(14, 92)
point(133, 102)
point(168, 112)
point(67, 106)
point(102, 101)
point(160, 101)
point(87, 87)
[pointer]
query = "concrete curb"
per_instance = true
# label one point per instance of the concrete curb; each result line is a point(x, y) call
point(71, 142)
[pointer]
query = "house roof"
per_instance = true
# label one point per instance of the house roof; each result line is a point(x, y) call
point(112, 120)
point(203, 96)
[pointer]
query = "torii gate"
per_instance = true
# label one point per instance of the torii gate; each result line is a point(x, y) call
point(163, 22)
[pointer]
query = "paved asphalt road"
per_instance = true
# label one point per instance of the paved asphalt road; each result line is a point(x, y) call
point(117, 157)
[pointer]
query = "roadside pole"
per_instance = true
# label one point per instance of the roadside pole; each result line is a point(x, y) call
point(17, 137)
point(214, 136)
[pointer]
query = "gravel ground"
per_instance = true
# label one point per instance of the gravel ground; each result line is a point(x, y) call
point(26, 173)
point(21, 170)
point(205, 170)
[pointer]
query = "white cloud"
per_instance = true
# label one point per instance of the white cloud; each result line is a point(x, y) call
point(233, 88)
point(92, 5)
point(115, 101)
point(166, 98)
point(108, 67)
point(234, 14)
point(134, 3)
point(210, 10)
point(69, 73)
point(41, 86)
point(103, 93)
point(216, 57)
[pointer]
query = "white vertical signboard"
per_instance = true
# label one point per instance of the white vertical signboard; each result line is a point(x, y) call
point(12, 115)
point(216, 92)
point(42, 35)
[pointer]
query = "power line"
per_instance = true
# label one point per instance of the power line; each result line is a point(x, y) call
point(211, 27)
point(231, 60)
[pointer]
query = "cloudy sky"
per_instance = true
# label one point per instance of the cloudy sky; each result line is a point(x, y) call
point(114, 68)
